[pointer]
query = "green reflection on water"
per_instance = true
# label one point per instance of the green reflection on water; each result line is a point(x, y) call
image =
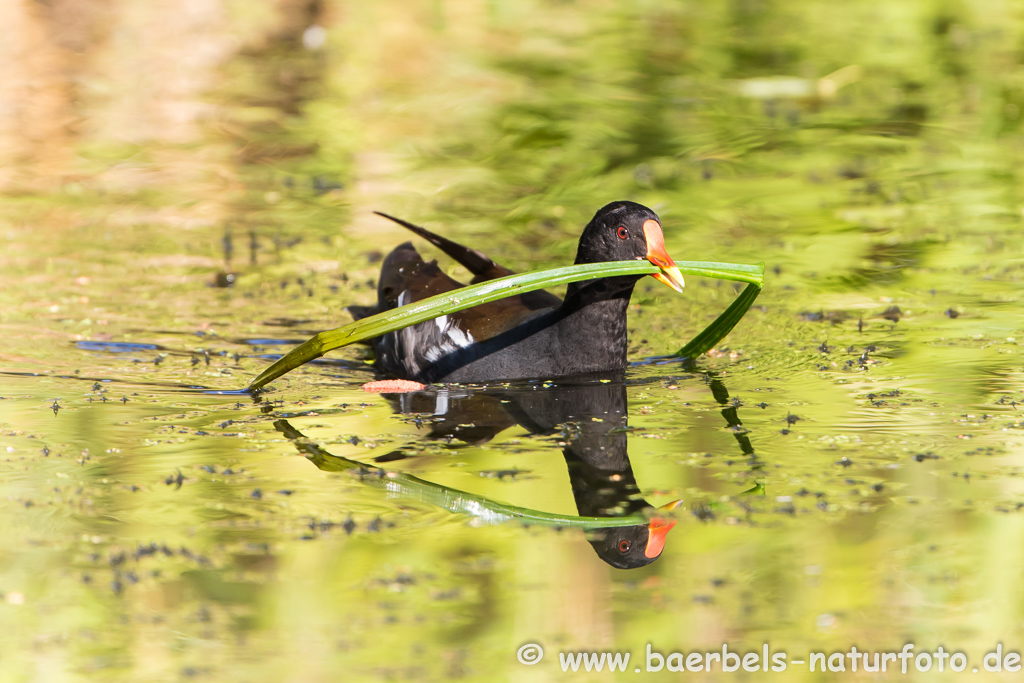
point(149, 155)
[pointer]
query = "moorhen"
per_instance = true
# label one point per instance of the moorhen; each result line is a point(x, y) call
point(532, 335)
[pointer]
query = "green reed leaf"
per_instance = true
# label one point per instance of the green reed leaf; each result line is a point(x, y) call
point(723, 324)
point(492, 290)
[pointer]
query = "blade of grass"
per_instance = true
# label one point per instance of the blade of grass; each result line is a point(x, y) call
point(466, 297)
point(723, 324)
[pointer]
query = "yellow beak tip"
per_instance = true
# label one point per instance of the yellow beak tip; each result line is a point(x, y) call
point(671, 277)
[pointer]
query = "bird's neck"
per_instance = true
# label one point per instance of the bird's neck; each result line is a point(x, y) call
point(593, 323)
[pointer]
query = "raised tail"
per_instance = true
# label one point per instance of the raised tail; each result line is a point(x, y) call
point(478, 263)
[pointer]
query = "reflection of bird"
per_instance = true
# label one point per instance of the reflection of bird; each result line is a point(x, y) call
point(529, 335)
point(591, 420)
point(604, 486)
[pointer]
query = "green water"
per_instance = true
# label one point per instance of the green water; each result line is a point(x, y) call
point(849, 458)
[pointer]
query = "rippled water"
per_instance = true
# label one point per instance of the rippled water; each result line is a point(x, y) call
point(187, 193)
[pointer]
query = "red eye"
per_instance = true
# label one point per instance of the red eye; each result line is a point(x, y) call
point(622, 232)
point(623, 545)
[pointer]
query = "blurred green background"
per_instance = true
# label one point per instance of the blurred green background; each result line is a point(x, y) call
point(151, 153)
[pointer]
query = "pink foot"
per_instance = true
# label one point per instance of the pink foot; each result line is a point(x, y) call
point(393, 386)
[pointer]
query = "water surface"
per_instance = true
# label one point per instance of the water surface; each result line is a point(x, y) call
point(190, 193)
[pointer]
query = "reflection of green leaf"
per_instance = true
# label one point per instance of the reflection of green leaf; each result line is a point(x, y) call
point(492, 290)
point(755, 490)
point(413, 488)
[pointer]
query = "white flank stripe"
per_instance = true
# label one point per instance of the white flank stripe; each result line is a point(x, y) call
point(461, 338)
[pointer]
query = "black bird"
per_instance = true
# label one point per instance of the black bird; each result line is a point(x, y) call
point(532, 335)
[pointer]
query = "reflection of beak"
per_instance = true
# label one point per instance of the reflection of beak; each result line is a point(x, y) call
point(657, 255)
point(658, 529)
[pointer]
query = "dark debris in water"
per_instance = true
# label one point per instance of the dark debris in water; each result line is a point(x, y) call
point(892, 314)
point(349, 526)
point(124, 573)
point(703, 512)
point(225, 279)
point(501, 475)
point(877, 399)
point(834, 317)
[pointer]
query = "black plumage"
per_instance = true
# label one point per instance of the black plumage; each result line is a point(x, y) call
point(533, 335)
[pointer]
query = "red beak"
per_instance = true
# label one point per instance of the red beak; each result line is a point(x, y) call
point(657, 255)
point(657, 530)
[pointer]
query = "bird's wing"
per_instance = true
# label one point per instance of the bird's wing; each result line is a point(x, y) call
point(406, 278)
